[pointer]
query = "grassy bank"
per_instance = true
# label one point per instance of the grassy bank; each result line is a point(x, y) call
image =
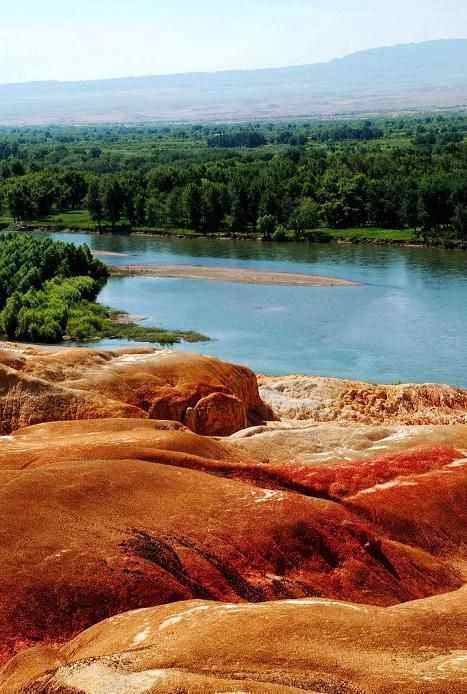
point(360, 235)
point(118, 325)
point(79, 220)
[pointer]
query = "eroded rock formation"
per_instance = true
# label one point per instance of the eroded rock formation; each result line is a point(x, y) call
point(335, 400)
point(326, 557)
point(212, 397)
point(109, 515)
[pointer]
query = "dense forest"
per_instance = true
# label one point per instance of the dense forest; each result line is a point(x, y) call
point(278, 180)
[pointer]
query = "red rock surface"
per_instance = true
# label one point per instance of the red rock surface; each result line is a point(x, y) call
point(125, 511)
point(110, 515)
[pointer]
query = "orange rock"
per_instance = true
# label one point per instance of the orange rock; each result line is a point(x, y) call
point(98, 517)
point(27, 400)
point(108, 508)
point(290, 646)
point(213, 397)
point(218, 414)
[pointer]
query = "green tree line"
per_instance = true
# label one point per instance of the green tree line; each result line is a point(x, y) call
point(395, 173)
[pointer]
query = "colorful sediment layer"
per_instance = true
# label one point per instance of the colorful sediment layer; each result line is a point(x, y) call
point(168, 526)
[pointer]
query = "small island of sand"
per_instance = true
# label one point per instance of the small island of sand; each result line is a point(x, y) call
point(231, 274)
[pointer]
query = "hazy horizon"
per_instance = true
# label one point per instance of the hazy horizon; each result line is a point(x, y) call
point(154, 38)
point(221, 70)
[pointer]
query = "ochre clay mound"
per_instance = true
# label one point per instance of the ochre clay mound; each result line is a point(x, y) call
point(208, 395)
point(330, 399)
point(311, 645)
point(410, 483)
point(26, 400)
point(82, 540)
point(428, 510)
point(380, 483)
point(167, 442)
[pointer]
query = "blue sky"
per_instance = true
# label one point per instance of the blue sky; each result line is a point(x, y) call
point(90, 39)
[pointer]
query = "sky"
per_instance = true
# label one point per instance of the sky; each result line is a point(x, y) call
point(93, 39)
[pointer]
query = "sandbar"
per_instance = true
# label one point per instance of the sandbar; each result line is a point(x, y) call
point(231, 274)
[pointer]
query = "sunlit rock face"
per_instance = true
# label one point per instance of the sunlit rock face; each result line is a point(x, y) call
point(210, 396)
point(314, 556)
point(313, 645)
point(334, 400)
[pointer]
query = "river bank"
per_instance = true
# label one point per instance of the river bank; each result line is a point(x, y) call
point(392, 238)
point(75, 224)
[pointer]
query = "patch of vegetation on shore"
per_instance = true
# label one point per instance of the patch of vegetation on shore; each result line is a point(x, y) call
point(92, 322)
point(48, 292)
point(119, 325)
point(374, 234)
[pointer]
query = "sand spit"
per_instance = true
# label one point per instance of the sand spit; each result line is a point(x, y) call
point(228, 274)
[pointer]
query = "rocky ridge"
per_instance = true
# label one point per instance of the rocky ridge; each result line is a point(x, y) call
point(39, 385)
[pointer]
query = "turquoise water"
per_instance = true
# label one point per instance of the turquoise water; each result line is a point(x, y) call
point(406, 322)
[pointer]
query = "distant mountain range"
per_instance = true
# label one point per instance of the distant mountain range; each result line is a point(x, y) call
point(410, 77)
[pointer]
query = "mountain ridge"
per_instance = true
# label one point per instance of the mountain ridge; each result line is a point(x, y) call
point(427, 75)
point(244, 71)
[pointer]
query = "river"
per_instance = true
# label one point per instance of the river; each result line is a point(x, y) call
point(405, 322)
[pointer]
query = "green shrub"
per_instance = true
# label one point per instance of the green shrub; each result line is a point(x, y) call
point(317, 236)
point(280, 233)
point(40, 281)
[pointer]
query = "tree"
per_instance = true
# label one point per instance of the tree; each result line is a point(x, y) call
point(280, 233)
point(154, 211)
point(163, 179)
point(73, 186)
point(140, 208)
point(306, 216)
point(43, 191)
point(175, 211)
point(242, 138)
point(193, 206)
point(94, 202)
point(269, 203)
point(266, 226)
point(10, 315)
point(239, 204)
point(19, 201)
point(410, 205)
point(213, 209)
point(40, 281)
point(436, 194)
point(113, 200)
point(459, 222)
point(16, 168)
